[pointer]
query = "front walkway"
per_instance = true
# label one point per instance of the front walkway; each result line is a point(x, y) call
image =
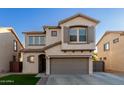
point(99, 78)
point(43, 80)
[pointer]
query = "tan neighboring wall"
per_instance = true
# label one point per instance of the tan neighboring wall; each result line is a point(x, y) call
point(115, 55)
point(7, 36)
point(30, 67)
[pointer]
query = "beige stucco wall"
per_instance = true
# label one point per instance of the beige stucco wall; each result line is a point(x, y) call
point(115, 55)
point(85, 46)
point(79, 21)
point(30, 67)
point(6, 49)
point(57, 51)
point(51, 39)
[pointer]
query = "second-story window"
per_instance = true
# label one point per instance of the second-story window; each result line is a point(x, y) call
point(30, 40)
point(82, 35)
point(54, 33)
point(42, 40)
point(36, 40)
point(15, 45)
point(73, 35)
point(78, 35)
point(106, 46)
point(116, 40)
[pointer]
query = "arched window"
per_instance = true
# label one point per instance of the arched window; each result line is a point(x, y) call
point(30, 59)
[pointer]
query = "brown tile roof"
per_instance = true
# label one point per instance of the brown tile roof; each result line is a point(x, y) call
point(32, 51)
point(52, 27)
point(78, 15)
point(42, 49)
point(34, 32)
point(109, 32)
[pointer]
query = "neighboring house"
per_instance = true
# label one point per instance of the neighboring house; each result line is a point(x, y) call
point(63, 49)
point(9, 48)
point(111, 50)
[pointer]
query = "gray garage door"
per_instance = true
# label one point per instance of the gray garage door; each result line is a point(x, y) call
point(69, 66)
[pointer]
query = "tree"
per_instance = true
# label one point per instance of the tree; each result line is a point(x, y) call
point(94, 56)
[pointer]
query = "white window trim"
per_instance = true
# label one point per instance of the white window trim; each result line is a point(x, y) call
point(108, 45)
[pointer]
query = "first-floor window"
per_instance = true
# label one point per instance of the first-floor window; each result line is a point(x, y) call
point(30, 59)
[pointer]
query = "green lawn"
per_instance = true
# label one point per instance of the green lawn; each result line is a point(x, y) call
point(22, 79)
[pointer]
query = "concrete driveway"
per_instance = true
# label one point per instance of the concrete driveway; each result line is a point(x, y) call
point(99, 78)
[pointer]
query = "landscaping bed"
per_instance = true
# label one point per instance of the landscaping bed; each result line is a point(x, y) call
point(20, 79)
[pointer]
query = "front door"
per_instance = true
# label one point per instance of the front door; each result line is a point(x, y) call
point(42, 64)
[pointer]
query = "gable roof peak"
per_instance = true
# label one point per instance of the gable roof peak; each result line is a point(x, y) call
point(78, 15)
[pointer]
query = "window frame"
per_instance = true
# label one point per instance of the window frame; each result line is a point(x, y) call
point(15, 49)
point(39, 42)
point(78, 35)
point(32, 40)
point(29, 59)
point(70, 35)
point(105, 46)
point(36, 40)
point(54, 35)
point(116, 40)
point(85, 35)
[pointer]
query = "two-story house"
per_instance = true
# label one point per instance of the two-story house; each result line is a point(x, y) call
point(63, 49)
point(111, 50)
point(10, 47)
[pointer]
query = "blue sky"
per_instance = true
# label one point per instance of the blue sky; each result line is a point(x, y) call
point(33, 19)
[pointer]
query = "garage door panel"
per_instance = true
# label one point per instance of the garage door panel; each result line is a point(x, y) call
point(69, 66)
